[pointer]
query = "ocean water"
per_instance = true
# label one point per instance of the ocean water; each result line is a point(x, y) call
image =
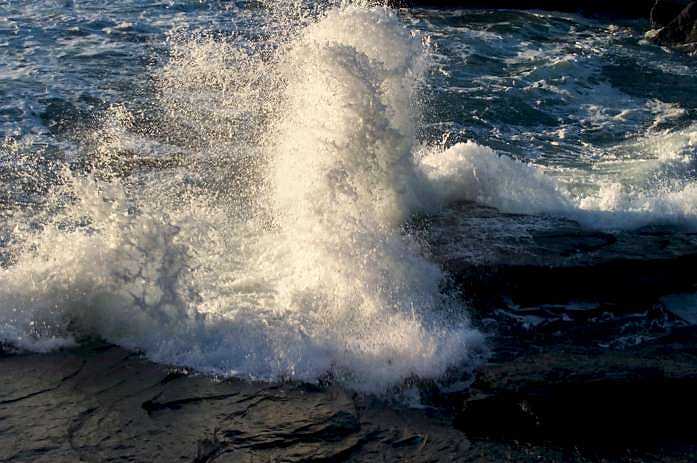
point(226, 185)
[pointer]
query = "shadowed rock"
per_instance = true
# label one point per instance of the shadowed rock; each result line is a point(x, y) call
point(633, 398)
point(665, 11)
point(584, 355)
point(530, 260)
point(681, 31)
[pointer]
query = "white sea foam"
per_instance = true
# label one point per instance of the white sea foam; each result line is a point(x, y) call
point(653, 186)
point(468, 171)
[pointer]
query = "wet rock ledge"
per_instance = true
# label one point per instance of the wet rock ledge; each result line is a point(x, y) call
point(589, 362)
point(526, 260)
point(100, 403)
point(587, 349)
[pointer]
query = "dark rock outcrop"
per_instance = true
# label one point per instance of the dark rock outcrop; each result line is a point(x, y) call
point(101, 403)
point(531, 261)
point(584, 354)
point(681, 31)
point(635, 398)
point(665, 11)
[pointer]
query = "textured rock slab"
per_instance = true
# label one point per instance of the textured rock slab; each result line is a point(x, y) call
point(106, 404)
point(102, 403)
point(529, 260)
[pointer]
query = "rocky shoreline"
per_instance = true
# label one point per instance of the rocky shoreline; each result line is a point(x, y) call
point(580, 370)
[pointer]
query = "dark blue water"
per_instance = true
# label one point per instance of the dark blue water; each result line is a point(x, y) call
point(555, 88)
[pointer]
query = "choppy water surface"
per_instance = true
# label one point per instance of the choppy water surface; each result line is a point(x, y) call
point(224, 185)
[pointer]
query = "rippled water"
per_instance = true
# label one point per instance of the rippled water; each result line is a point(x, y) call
point(224, 185)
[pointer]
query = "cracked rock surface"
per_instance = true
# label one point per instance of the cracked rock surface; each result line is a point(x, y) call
point(107, 404)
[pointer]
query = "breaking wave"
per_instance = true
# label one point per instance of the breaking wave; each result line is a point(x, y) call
point(256, 228)
point(277, 251)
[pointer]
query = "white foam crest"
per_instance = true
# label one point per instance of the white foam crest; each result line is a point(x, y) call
point(658, 188)
point(468, 171)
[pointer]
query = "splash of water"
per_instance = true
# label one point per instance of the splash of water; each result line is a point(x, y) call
point(268, 241)
point(278, 257)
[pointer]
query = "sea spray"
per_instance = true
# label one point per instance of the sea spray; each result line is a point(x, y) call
point(344, 183)
point(306, 271)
